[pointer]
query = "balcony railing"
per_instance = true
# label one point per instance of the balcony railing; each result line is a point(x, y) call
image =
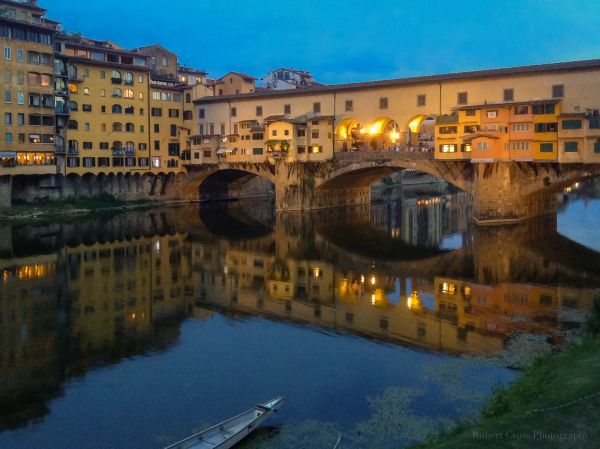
point(62, 92)
point(129, 152)
point(73, 151)
point(116, 80)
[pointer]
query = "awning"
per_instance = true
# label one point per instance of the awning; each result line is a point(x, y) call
point(11, 154)
point(224, 150)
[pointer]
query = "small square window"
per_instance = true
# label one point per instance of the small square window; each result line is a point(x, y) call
point(558, 91)
point(316, 107)
point(509, 94)
point(349, 105)
point(421, 99)
point(259, 111)
point(462, 98)
point(287, 108)
point(383, 103)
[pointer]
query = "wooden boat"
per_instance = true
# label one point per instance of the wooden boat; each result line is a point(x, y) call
point(228, 433)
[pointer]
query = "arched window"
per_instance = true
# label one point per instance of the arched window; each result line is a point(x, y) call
point(129, 127)
point(116, 77)
point(117, 127)
point(128, 79)
point(128, 109)
point(188, 98)
point(73, 105)
point(129, 147)
point(73, 146)
point(128, 93)
point(117, 92)
point(72, 124)
point(117, 145)
point(117, 109)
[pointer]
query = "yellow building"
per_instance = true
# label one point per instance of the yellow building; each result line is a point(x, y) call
point(27, 126)
point(166, 124)
point(107, 126)
point(234, 83)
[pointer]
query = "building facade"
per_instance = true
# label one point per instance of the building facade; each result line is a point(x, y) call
point(28, 122)
point(547, 112)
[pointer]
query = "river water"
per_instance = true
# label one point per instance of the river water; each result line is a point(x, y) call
point(380, 323)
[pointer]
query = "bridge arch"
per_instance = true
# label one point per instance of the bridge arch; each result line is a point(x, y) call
point(363, 172)
point(229, 183)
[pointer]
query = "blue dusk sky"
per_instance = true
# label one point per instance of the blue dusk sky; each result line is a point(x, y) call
point(354, 40)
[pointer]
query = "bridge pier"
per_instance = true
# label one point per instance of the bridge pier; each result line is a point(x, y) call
point(499, 196)
point(5, 191)
point(295, 190)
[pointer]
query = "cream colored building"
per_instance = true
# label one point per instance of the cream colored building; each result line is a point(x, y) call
point(388, 115)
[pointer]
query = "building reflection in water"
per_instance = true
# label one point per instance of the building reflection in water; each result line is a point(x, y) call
point(89, 302)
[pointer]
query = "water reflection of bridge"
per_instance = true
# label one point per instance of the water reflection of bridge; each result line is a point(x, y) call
point(103, 290)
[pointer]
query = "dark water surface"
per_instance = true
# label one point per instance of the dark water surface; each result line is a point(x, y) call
point(381, 323)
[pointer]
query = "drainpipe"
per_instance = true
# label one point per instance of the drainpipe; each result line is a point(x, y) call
point(440, 101)
point(229, 114)
point(333, 127)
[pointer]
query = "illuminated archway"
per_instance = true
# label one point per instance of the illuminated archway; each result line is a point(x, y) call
point(382, 134)
point(420, 131)
point(348, 136)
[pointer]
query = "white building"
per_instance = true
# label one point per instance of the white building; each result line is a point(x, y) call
point(282, 78)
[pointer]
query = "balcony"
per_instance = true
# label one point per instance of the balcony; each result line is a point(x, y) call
point(118, 152)
point(62, 92)
point(129, 152)
point(116, 80)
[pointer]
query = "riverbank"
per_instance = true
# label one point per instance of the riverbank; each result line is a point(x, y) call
point(46, 210)
point(554, 404)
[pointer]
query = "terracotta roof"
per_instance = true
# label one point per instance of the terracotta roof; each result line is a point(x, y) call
point(478, 135)
point(573, 114)
point(507, 104)
point(277, 118)
point(31, 5)
point(591, 64)
point(240, 74)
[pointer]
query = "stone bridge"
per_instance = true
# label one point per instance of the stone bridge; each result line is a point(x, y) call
point(503, 192)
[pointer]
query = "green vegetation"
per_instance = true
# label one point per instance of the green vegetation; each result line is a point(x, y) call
point(554, 404)
point(67, 207)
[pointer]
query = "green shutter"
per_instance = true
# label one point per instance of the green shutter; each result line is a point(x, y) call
point(571, 124)
point(595, 123)
point(597, 146)
point(570, 147)
point(257, 151)
point(546, 148)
